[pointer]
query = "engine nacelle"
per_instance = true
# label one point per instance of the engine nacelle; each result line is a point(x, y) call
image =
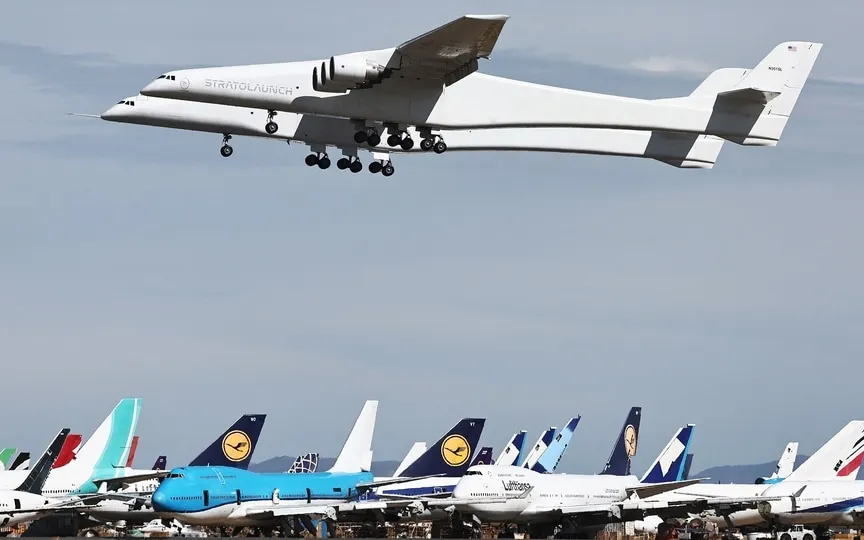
point(345, 72)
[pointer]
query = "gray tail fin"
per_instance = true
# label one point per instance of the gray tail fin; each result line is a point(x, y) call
point(39, 472)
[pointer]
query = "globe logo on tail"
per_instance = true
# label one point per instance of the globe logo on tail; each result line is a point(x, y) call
point(455, 450)
point(236, 446)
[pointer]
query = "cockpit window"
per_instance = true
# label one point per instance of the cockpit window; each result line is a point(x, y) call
point(176, 475)
point(473, 473)
point(168, 77)
point(126, 102)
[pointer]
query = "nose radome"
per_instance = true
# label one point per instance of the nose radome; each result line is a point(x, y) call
point(160, 501)
point(111, 113)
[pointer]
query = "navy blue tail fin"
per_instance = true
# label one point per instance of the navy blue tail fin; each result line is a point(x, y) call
point(161, 463)
point(451, 455)
point(39, 473)
point(625, 446)
point(687, 462)
point(484, 456)
point(233, 448)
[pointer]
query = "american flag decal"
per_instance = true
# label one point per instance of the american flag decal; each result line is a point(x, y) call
point(792, 48)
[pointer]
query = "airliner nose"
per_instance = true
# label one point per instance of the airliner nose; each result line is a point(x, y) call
point(163, 86)
point(111, 114)
point(160, 501)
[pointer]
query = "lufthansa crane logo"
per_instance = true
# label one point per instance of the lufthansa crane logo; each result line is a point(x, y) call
point(630, 440)
point(236, 446)
point(455, 450)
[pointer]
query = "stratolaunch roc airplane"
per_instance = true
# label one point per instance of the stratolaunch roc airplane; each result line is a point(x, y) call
point(432, 83)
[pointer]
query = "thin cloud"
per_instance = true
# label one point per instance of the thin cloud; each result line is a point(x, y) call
point(670, 64)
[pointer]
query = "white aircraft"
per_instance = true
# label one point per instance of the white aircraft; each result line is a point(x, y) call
point(320, 132)
point(26, 502)
point(432, 83)
point(104, 455)
point(784, 465)
point(820, 488)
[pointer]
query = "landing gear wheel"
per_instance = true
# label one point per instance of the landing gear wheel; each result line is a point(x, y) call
point(393, 140)
point(360, 137)
point(427, 144)
point(373, 139)
point(440, 147)
point(388, 170)
point(343, 164)
point(324, 162)
point(407, 143)
point(375, 167)
point(356, 166)
point(311, 160)
point(226, 150)
point(271, 127)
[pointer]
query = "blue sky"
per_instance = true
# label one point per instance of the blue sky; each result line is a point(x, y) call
point(525, 288)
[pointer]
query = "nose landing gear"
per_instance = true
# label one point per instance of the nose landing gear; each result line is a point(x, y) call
point(226, 149)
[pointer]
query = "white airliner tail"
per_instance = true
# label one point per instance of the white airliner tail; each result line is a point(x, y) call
point(356, 454)
point(109, 446)
point(839, 459)
point(786, 463)
point(415, 452)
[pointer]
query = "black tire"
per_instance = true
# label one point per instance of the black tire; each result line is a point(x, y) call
point(807, 536)
point(342, 164)
point(388, 170)
point(311, 160)
point(375, 167)
point(426, 144)
point(785, 536)
point(393, 140)
point(360, 137)
point(373, 140)
point(407, 143)
point(271, 127)
point(356, 166)
point(440, 147)
point(323, 163)
point(226, 150)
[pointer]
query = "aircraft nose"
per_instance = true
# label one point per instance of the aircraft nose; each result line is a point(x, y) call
point(111, 114)
point(160, 501)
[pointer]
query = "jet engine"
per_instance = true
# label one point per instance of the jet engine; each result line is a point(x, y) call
point(346, 72)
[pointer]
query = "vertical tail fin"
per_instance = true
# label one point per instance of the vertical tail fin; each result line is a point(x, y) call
point(5, 455)
point(548, 460)
point(109, 446)
point(40, 471)
point(539, 447)
point(307, 463)
point(512, 450)
point(161, 463)
point(483, 457)
point(21, 462)
point(784, 465)
point(669, 465)
point(132, 451)
point(688, 462)
point(235, 446)
point(70, 448)
point(451, 455)
point(417, 450)
point(838, 459)
point(356, 454)
point(625, 446)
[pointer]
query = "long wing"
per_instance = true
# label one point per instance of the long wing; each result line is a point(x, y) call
point(450, 52)
point(636, 509)
point(113, 484)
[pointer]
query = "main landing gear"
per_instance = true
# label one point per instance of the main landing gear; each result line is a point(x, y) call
point(318, 159)
point(226, 149)
point(271, 127)
point(435, 143)
point(353, 164)
point(384, 167)
point(369, 136)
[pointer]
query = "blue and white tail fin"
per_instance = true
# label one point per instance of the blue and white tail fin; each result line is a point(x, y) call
point(356, 454)
point(539, 447)
point(784, 465)
point(451, 455)
point(161, 463)
point(688, 462)
point(669, 465)
point(625, 446)
point(838, 459)
point(110, 445)
point(235, 446)
point(549, 460)
point(307, 463)
point(416, 450)
point(483, 457)
point(513, 450)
